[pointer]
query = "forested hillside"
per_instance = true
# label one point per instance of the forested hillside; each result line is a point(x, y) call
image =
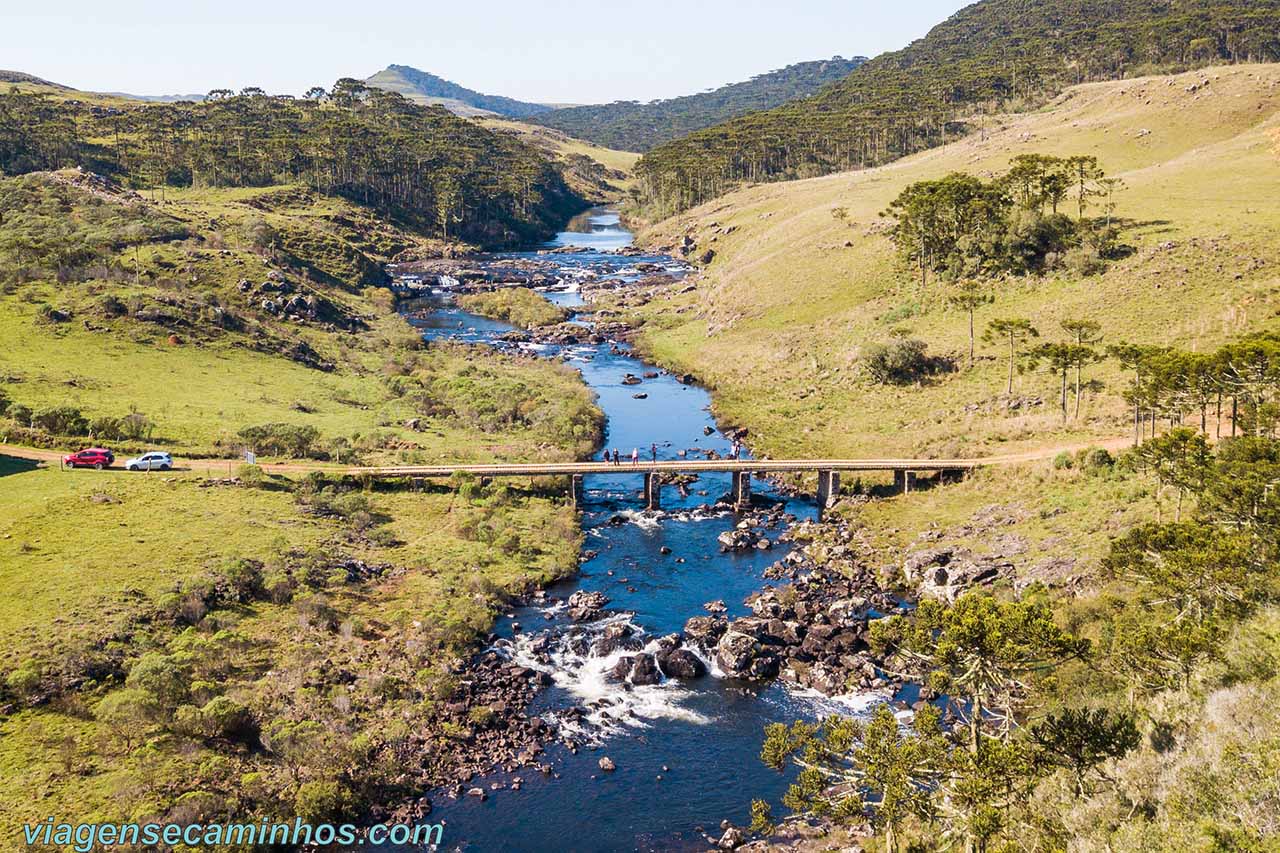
point(994, 55)
point(422, 166)
point(633, 126)
point(424, 88)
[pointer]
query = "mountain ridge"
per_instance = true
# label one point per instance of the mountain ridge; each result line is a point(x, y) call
point(990, 56)
point(424, 87)
point(637, 126)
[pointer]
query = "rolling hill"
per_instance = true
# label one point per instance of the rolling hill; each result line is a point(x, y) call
point(633, 126)
point(991, 56)
point(361, 143)
point(805, 278)
point(424, 88)
point(31, 79)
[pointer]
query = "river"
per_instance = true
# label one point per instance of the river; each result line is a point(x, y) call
point(686, 753)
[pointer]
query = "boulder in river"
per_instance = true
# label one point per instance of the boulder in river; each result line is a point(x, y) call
point(682, 664)
point(586, 606)
point(735, 651)
point(705, 630)
point(645, 671)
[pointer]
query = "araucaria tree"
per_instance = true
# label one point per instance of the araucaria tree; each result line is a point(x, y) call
point(970, 295)
point(1014, 331)
point(1061, 359)
point(981, 650)
point(849, 769)
point(1010, 225)
point(1083, 333)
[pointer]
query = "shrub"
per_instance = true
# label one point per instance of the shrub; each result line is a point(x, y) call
point(279, 587)
point(128, 713)
point(62, 420)
point(280, 439)
point(223, 717)
point(1096, 460)
point(24, 682)
point(900, 362)
point(111, 307)
point(252, 476)
point(1064, 461)
point(1083, 261)
point(481, 715)
point(160, 677)
point(316, 612)
point(20, 413)
point(319, 802)
point(243, 579)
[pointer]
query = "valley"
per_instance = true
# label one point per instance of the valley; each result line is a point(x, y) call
point(1026, 269)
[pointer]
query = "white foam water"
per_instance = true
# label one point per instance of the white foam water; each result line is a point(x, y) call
point(577, 668)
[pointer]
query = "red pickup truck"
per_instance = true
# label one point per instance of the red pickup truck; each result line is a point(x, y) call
point(94, 457)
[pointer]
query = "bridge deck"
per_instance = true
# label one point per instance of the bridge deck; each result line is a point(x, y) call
point(671, 466)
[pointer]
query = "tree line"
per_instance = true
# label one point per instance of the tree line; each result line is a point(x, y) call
point(993, 56)
point(421, 165)
point(1014, 751)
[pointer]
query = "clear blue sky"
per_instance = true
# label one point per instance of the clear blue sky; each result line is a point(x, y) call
point(544, 50)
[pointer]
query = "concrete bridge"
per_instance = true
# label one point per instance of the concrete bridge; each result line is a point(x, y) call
point(828, 471)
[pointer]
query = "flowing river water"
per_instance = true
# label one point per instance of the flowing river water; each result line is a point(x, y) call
point(686, 753)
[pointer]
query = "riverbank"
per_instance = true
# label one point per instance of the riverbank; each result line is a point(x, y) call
point(662, 677)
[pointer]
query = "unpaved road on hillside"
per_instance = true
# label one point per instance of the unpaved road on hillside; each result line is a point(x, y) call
point(228, 466)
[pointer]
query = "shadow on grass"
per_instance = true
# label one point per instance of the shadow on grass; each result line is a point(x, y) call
point(14, 465)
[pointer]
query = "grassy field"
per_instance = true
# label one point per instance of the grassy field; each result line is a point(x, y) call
point(316, 607)
point(614, 176)
point(200, 383)
point(805, 278)
point(87, 560)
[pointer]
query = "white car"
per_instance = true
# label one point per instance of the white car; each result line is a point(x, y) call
point(153, 461)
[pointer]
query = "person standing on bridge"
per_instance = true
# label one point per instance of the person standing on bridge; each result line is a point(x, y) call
point(635, 456)
point(617, 457)
point(653, 450)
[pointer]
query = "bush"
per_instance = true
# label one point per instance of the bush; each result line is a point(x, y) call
point(280, 439)
point(316, 612)
point(20, 413)
point(24, 682)
point(63, 420)
point(252, 476)
point(243, 579)
point(222, 717)
point(320, 802)
point(112, 307)
point(900, 362)
point(1083, 261)
point(1064, 461)
point(1095, 460)
point(279, 587)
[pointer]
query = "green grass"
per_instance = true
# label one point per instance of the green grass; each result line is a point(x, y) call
point(518, 306)
point(201, 385)
point(777, 321)
point(90, 561)
point(76, 569)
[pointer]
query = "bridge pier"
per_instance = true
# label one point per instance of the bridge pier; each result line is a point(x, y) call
point(653, 490)
point(740, 489)
point(577, 490)
point(828, 488)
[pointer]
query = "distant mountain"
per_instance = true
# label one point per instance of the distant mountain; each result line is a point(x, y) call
point(22, 77)
point(424, 88)
point(156, 99)
point(992, 55)
point(633, 126)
